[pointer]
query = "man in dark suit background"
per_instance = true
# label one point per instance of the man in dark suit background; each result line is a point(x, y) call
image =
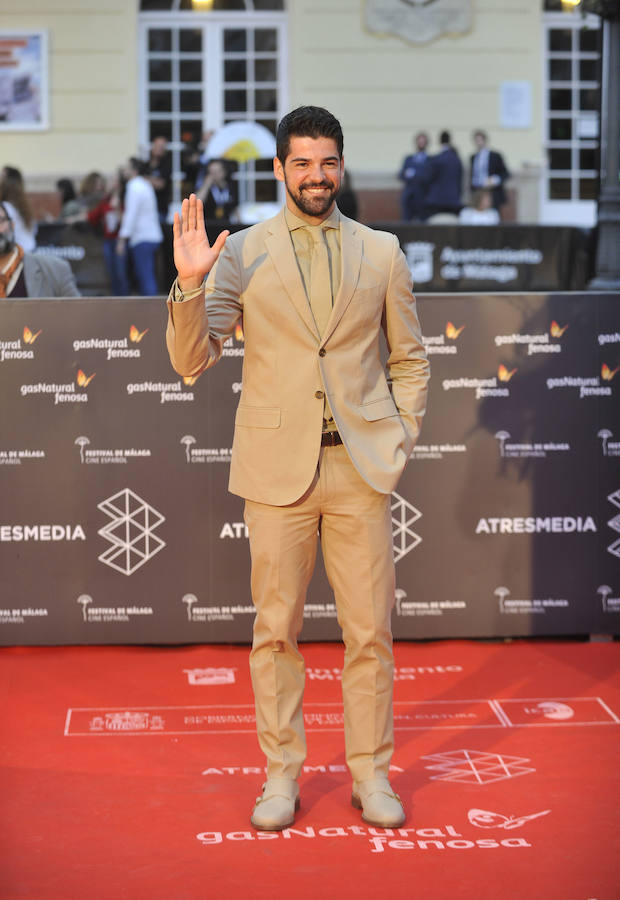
point(412, 174)
point(444, 177)
point(488, 169)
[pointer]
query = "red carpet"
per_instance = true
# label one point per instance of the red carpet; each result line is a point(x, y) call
point(131, 772)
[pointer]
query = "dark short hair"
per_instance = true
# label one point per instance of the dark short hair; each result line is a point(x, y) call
point(444, 137)
point(482, 134)
point(140, 166)
point(307, 121)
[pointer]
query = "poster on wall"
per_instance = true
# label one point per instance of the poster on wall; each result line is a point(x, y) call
point(23, 80)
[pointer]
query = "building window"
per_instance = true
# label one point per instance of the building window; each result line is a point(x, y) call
point(572, 92)
point(202, 70)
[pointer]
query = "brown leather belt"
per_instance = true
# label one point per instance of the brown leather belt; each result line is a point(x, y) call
point(330, 439)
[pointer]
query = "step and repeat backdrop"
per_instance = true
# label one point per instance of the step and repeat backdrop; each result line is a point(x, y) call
point(116, 525)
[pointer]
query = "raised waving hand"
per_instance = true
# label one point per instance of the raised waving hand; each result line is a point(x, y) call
point(194, 257)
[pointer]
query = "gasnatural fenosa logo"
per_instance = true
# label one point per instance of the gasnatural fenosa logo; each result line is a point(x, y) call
point(14, 349)
point(535, 343)
point(115, 348)
point(436, 343)
point(233, 346)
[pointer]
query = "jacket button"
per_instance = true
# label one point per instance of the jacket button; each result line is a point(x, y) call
point(319, 395)
point(322, 351)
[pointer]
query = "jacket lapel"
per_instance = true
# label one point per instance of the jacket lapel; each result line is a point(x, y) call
point(280, 249)
point(351, 256)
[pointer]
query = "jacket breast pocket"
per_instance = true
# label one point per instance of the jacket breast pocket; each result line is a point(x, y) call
point(379, 409)
point(258, 417)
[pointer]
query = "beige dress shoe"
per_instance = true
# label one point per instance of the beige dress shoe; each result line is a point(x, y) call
point(275, 809)
point(379, 804)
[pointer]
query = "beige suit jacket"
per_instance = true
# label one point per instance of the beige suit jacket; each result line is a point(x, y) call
point(287, 366)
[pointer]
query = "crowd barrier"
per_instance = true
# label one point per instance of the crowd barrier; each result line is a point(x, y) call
point(117, 527)
point(442, 258)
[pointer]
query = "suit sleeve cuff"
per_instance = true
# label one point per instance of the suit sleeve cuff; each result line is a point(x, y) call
point(179, 296)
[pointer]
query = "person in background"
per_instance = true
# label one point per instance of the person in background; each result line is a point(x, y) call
point(13, 194)
point(218, 191)
point(69, 203)
point(443, 176)
point(200, 158)
point(191, 153)
point(107, 215)
point(30, 274)
point(347, 201)
point(159, 173)
point(488, 170)
point(92, 190)
point(140, 227)
point(412, 174)
point(481, 211)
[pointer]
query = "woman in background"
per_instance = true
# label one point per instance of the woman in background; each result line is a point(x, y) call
point(69, 203)
point(108, 214)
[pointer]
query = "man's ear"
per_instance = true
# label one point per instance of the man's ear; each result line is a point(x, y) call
point(278, 169)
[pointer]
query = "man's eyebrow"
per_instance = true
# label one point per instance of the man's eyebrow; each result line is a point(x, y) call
point(334, 157)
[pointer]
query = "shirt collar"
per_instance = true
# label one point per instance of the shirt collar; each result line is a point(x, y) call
point(293, 222)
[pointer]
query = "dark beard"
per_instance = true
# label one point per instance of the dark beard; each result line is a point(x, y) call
point(313, 206)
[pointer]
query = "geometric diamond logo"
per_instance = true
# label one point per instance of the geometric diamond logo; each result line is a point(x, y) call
point(404, 515)
point(476, 767)
point(615, 523)
point(130, 532)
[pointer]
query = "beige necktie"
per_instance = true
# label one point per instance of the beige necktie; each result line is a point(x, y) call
point(321, 297)
point(320, 281)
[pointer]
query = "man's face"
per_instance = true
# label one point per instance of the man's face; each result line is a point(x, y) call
point(479, 140)
point(7, 234)
point(421, 142)
point(312, 173)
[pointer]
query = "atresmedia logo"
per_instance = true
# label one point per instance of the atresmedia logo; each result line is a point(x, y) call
point(404, 515)
point(130, 531)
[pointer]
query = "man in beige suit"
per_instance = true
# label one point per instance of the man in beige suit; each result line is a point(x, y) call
point(320, 441)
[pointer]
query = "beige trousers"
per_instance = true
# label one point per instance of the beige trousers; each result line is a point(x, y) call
point(356, 538)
